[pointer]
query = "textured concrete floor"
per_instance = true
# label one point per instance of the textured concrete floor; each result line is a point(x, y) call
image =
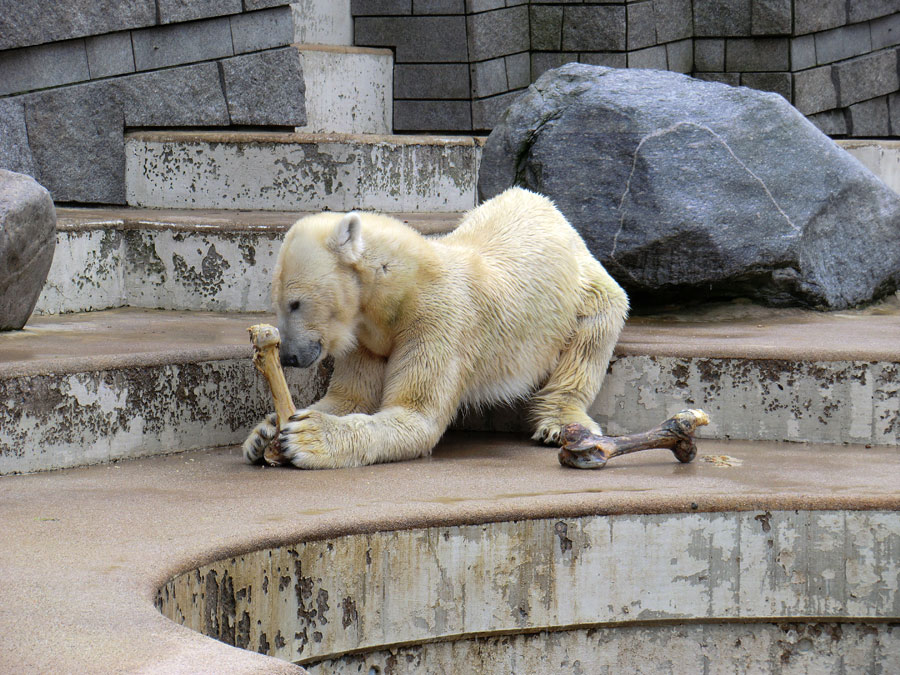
point(116, 337)
point(84, 550)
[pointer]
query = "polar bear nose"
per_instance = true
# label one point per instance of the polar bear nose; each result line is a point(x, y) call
point(301, 356)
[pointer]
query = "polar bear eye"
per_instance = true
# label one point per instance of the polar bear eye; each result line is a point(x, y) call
point(294, 306)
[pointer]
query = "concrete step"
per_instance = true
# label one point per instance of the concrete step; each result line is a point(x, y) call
point(82, 389)
point(92, 388)
point(348, 89)
point(881, 157)
point(305, 172)
point(322, 22)
point(202, 260)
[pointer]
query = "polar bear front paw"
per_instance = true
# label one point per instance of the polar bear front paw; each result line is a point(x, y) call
point(263, 433)
point(551, 432)
point(308, 441)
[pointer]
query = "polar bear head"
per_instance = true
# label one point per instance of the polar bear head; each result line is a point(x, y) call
point(315, 288)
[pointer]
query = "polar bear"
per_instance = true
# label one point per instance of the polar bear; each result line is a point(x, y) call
point(509, 305)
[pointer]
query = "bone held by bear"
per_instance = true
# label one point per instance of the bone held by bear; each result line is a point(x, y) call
point(266, 342)
point(584, 450)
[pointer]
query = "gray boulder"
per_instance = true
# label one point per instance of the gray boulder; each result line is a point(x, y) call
point(689, 190)
point(27, 242)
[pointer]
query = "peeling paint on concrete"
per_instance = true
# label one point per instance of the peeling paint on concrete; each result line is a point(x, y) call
point(746, 399)
point(307, 172)
point(202, 269)
point(73, 419)
point(770, 648)
point(86, 274)
point(446, 583)
point(361, 104)
point(757, 399)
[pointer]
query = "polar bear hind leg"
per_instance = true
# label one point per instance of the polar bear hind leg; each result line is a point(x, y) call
point(575, 381)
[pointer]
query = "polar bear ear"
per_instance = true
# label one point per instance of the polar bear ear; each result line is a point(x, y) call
point(347, 239)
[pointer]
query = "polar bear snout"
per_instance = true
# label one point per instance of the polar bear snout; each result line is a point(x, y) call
point(300, 354)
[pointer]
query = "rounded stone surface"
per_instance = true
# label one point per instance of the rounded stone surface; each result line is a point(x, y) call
point(689, 190)
point(27, 243)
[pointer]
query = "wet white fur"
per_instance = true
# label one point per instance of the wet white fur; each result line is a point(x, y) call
point(509, 305)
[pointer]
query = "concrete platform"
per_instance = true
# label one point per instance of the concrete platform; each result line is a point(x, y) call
point(179, 259)
point(337, 102)
point(307, 172)
point(86, 551)
point(87, 388)
point(880, 156)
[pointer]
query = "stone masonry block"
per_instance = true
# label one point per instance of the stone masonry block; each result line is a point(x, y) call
point(830, 122)
point(432, 116)
point(709, 55)
point(863, 10)
point(253, 5)
point(770, 17)
point(722, 18)
point(814, 90)
point(518, 70)
point(870, 118)
point(33, 22)
point(181, 43)
point(894, 108)
point(652, 57)
point(815, 15)
point(608, 59)
point(174, 11)
point(594, 28)
point(867, 77)
point(380, 7)
point(110, 54)
point(757, 54)
point(174, 97)
point(76, 139)
point(498, 33)
point(416, 39)
point(43, 66)
point(641, 25)
point(680, 56)
point(546, 27)
point(842, 43)
point(476, 6)
point(265, 88)
point(489, 78)
point(15, 153)
point(779, 83)
point(886, 31)
point(541, 62)
point(803, 52)
point(733, 79)
point(439, 7)
point(431, 80)
point(674, 20)
point(486, 112)
point(266, 29)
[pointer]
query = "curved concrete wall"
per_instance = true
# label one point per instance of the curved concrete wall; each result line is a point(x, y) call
point(729, 575)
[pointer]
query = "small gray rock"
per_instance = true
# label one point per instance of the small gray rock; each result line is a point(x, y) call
point(27, 242)
point(689, 190)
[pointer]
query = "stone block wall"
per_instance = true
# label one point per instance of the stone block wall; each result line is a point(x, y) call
point(74, 75)
point(461, 62)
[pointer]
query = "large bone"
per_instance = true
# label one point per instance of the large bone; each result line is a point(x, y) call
point(266, 341)
point(584, 450)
